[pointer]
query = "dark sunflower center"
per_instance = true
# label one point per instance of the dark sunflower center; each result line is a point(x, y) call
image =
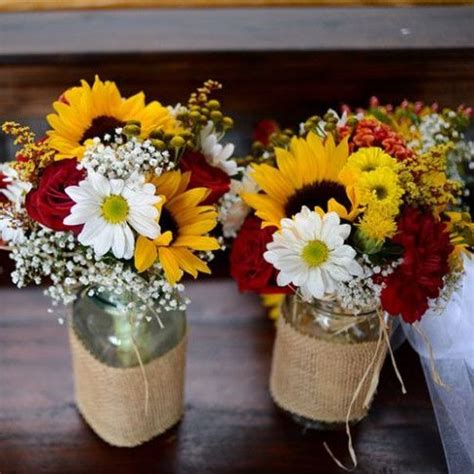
point(167, 222)
point(102, 126)
point(317, 194)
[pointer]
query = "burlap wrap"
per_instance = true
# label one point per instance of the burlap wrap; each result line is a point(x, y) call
point(317, 379)
point(112, 400)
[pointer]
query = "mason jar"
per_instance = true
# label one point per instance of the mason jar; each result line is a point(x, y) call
point(321, 355)
point(128, 370)
point(115, 336)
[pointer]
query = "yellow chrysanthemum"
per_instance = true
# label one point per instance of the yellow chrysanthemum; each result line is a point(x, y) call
point(378, 223)
point(370, 159)
point(380, 186)
point(309, 174)
point(184, 224)
point(272, 303)
point(87, 112)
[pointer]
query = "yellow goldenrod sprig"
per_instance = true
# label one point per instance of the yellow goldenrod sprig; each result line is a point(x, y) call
point(461, 230)
point(23, 135)
point(425, 179)
point(33, 156)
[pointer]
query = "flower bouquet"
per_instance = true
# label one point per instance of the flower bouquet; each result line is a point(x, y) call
point(111, 209)
point(357, 217)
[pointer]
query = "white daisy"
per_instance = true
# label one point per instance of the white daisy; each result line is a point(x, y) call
point(310, 253)
point(15, 190)
point(9, 232)
point(234, 209)
point(109, 209)
point(216, 154)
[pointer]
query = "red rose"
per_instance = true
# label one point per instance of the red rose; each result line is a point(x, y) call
point(263, 130)
point(48, 204)
point(247, 265)
point(203, 175)
point(425, 262)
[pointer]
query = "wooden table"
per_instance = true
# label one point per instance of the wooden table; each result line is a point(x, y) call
point(231, 424)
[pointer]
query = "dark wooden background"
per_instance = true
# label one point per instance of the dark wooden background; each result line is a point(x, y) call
point(230, 425)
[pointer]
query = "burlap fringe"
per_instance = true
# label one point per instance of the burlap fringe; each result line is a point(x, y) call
point(112, 400)
point(317, 379)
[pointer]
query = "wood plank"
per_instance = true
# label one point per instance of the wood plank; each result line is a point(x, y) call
point(287, 87)
point(239, 30)
point(44, 5)
point(230, 425)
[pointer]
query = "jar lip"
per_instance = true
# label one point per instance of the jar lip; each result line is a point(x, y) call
point(332, 308)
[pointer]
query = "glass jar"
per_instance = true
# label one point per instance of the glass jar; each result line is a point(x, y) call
point(114, 336)
point(327, 321)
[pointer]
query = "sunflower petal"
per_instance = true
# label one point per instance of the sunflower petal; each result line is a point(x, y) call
point(286, 164)
point(154, 115)
point(320, 156)
point(195, 214)
point(194, 242)
point(272, 182)
point(131, 107)
point(189, 262)
point(338, 159)
point(184, 182)
point(190, 198)
point(145, 254)
point(198, 228)
point(339, 209)
point(164, 239)
point(173, 272)
point(308, 163)
point(167, 184)
point(266, 208)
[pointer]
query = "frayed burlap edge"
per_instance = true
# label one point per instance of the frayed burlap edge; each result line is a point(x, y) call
point(118, 405)
point(318, 379)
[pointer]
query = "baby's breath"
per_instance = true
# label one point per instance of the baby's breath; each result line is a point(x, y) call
point(117, 159)
point(58, 257)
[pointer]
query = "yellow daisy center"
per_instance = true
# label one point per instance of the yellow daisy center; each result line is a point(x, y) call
point(315, 253)
point(368, 167)
point(380, 192)
point(115, 209)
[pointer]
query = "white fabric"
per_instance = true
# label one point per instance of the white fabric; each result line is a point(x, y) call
point(451, 334)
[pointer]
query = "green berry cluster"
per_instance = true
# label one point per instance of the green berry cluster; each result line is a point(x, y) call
point(326, 124)
point(261, 153)
point(201, 109)
point(161, 140)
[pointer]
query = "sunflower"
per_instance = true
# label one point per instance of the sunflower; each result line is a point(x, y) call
point(86, 112)
point(308, 174)
point(184, 224)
